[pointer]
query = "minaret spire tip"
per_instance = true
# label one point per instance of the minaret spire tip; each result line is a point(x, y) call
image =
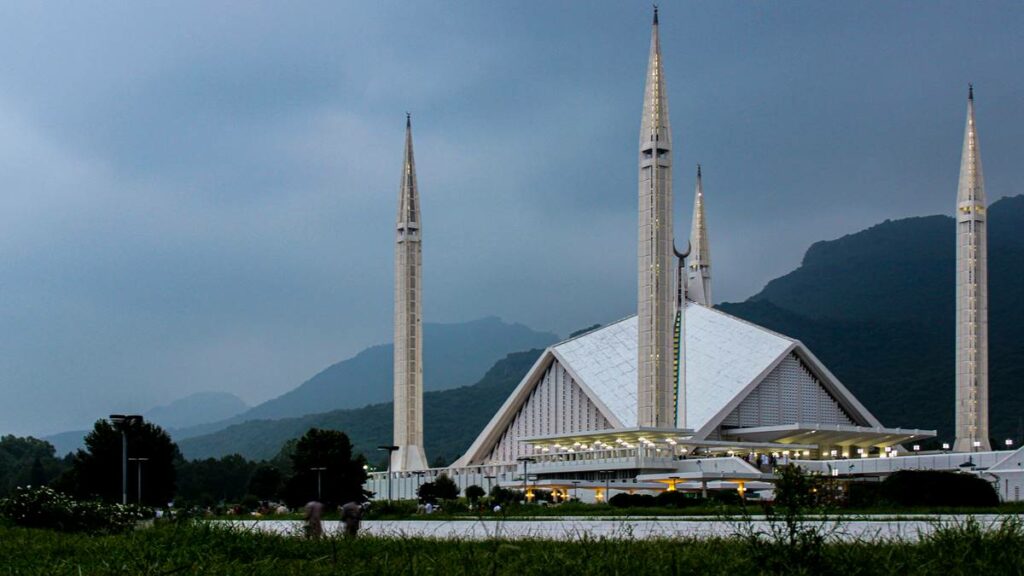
point(698, 170)
point(655, 14)
point(408, 120)
point(970, 91)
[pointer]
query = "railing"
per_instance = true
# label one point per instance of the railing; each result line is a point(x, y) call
point(943, 461)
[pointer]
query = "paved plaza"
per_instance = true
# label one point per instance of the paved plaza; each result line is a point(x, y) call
point(849, 529)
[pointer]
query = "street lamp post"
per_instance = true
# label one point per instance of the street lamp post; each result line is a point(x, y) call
point(576, 489)
point(122, 421)
point(526, 462)
point(389, 450)
point(490, 481)
point(607, 484)
point(139, 461)
point(318, 470)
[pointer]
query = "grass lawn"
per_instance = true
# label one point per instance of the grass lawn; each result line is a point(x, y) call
point(199, 548)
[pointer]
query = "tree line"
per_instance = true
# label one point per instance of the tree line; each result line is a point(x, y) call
point(318, 466)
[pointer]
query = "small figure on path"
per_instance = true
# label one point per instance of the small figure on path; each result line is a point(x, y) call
point(351, 515)
point(314, 525)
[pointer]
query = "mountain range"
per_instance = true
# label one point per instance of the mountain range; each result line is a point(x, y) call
point(454, 355)
point(452, 419)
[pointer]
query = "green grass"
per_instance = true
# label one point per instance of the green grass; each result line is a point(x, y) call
point(204, 549)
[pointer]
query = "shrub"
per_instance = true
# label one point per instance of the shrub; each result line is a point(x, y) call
point(42, 507)
point(445, 488)
point(673, 499)
point(936, 488)
point(474, 493)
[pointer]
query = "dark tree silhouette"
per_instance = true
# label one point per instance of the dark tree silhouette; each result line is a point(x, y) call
point(96, 470)
point(341, 478)
point(27, 461)
point(266, 482)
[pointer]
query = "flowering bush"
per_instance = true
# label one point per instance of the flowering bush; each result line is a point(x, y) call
point(42, 507)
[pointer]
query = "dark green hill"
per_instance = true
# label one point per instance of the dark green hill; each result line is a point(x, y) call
point(453, 355)
point(452, 420)
point(877, 307)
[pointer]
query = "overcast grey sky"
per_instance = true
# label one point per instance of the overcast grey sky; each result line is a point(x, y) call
point(201, 196)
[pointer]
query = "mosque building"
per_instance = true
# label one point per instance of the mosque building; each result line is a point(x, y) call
point(682, 396)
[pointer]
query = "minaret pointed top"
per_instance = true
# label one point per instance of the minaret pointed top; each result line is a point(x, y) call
point(408, 196)
point(971, 190)
point(698, 286)
point(700, 254)
point(655, 132)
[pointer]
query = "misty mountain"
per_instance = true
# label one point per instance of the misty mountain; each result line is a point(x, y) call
point(878, 308)
point(192, 410)
point(454, 355)
point(198, 408)
point(452, 420)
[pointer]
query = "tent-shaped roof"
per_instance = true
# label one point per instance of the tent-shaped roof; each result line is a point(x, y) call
point(724, 358)
point(723, 355)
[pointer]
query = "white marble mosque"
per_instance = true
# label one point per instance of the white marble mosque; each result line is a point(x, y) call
point(682, 396)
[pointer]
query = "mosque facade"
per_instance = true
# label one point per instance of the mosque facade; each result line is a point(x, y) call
point(682, 396)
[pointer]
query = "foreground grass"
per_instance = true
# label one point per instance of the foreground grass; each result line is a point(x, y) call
point(203, 549)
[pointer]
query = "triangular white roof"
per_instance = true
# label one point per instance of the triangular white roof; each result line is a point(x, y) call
point(725, 358)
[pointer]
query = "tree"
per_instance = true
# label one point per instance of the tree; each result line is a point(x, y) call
point(426, 493)
point(214, 480)
point(27, 461)
point(474, 493)
point(445, 488)
point(96, 471)
point(340, 478)
point(266, 482)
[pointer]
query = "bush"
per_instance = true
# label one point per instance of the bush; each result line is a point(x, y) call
point(625, 500)
point(674, 499)
point(935, 488)
point(474, 493)
point(42, 507)
point(445, 488)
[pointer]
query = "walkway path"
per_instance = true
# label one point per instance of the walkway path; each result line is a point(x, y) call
point(866, 528)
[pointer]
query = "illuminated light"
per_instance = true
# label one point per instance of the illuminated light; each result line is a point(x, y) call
point(1009, 442)
point(917, 447)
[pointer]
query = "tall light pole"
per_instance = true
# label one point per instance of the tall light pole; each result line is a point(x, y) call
point(122, 421)
point(526, 462)
point(318, 470)
point(389, 449)
point(140, 461)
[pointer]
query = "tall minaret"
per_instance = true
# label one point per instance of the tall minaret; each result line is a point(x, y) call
point(408, 321)
point(655, 294)
point(698, 286)
point(971, 296)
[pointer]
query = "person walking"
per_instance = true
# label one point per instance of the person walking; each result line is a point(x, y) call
point(314, 519)
point(351, 516)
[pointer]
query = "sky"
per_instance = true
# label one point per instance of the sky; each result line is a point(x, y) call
point(201, 195)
